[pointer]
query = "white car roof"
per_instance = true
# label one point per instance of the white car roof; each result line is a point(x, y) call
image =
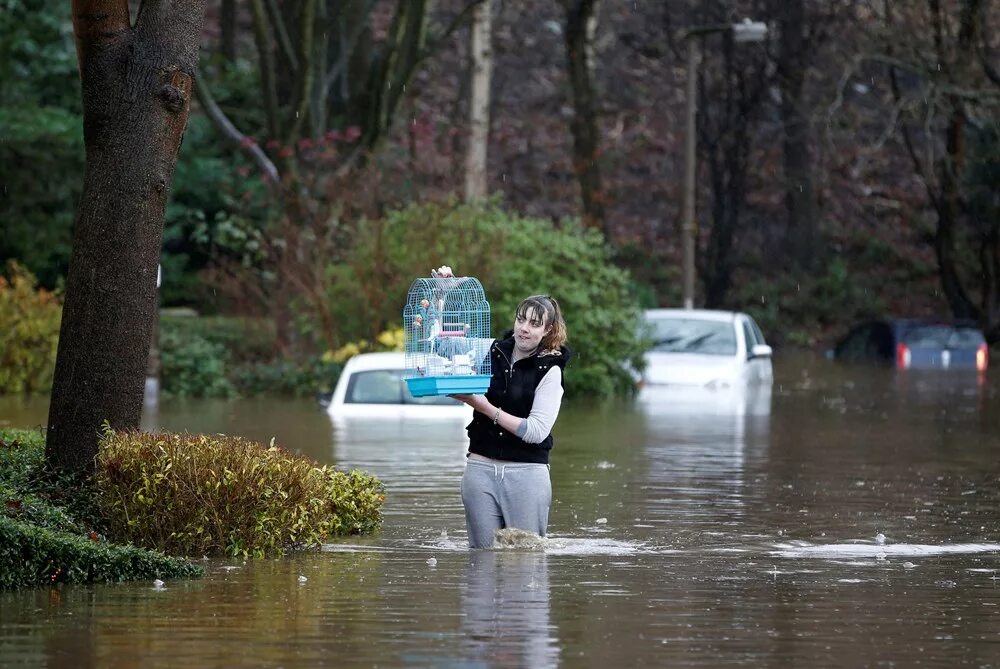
point(695, 314)
point(385, 360)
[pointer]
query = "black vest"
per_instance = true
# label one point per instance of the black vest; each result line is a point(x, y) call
point(512, 388)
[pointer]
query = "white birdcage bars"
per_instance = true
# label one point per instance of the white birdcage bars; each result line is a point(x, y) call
point(446, 323)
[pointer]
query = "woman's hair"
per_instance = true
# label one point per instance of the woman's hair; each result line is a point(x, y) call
point(549, 309)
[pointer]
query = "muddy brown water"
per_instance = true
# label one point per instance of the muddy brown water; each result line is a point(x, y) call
point(689, 529)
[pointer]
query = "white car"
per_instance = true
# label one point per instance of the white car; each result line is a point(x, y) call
point(705, 348)
point(372, 386)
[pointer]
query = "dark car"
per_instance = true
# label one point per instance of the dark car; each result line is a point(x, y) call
point(913, 343)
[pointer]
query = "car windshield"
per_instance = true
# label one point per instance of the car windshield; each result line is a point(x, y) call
point(943, 336)
point(689, 335)
point(386, 386)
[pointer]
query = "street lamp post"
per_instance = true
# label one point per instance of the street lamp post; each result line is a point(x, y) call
point(747, 31)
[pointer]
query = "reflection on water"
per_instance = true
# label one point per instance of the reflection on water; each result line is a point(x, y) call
point(505, 609)
point(845, 518)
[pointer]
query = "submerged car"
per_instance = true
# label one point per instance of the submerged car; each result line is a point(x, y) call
point(372, 385)
point(914, 343)
point(704, 347)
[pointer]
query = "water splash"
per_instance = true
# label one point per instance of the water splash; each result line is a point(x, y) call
point(804, 549)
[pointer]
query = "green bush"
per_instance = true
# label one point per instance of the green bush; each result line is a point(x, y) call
point(245, 340)
point(49, 528)
point(29, 333)
point(191, 366)
point(513, 257)
point(287, 378)
point(601, 312)
point(219, 494)
point(32, 493)
point(33, 556)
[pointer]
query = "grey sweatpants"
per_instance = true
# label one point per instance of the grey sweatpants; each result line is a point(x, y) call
point(516, 494)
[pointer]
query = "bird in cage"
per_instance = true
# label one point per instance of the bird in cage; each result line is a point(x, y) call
point(447, 325)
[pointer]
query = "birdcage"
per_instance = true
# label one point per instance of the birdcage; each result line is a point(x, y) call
point(446, 322)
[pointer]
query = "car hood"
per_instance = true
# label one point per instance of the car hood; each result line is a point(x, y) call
point(690, 369)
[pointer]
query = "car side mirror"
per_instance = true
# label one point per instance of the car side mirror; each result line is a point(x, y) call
point(760, 351)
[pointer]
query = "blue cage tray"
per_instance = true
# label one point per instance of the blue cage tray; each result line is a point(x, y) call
point(425, 386)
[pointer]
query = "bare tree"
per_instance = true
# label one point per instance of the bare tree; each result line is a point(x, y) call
point(792, 63)
point(945, 83)
point(136, 84)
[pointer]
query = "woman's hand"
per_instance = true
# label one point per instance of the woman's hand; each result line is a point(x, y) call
point(477, 402)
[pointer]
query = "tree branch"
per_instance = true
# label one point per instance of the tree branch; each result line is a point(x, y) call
point(435, 43)
point(307, 73)
point(346, 52)
point(284, 43)
point(232, 133)
point(262, 38)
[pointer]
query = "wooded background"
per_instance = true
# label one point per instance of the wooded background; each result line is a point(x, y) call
point(847, 166)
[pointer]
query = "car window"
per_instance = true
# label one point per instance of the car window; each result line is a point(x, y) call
point(749, 336)
point(689, 335)
point(379, 386)
point(857, 343)
point(943, 336)
point(966, 338)
point(757, 331)
point(386, 386)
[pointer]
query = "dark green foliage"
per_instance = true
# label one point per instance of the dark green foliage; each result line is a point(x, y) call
point(41, 136)
point(513, 257)
point(31, 494)
point(793, 310)
point(601, 312)
point(287, 378)
point(49, 527)
point(217, 356)
point(191, 366)
point(34, 556)
point(245, 340)
point(219, 494)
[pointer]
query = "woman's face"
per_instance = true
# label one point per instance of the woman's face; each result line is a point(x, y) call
point(529, 328)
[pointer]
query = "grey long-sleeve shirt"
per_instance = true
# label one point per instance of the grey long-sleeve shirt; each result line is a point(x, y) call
point(544, 408)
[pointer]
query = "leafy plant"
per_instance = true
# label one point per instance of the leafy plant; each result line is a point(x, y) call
point(49, 529)
point(192, 366)
point(29, 335)
point(219, 494)
point(513, 257)
point(288, 378)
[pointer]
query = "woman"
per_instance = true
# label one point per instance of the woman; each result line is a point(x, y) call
point(506, 481)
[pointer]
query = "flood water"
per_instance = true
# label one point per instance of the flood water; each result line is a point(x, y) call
point(847, 518)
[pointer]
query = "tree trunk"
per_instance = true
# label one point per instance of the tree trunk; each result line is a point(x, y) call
point(227, 25)
point(799, 198)
point(581, 24)
point(481, 57)
point(949, 206)
point(136, 84)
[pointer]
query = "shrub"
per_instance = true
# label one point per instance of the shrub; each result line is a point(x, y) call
point(286, 377)
point(574, 265)
point(513, 257)
point(30, 493)
point(245, 340)
point(33, 556)
point(219, 494)
point(29, 333)
point(192, 366)
point(49, 529)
